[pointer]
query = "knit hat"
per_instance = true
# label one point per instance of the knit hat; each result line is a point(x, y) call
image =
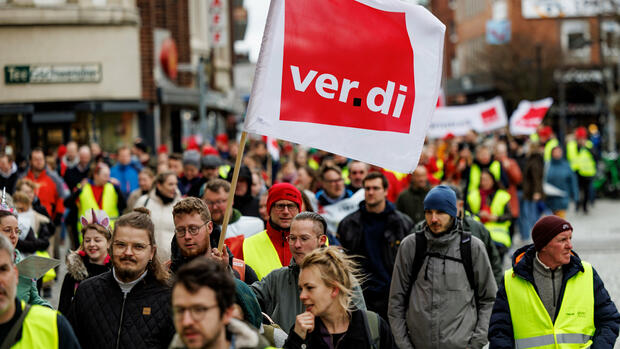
point(191, 157)
point(441, 198)
point(283, 191)
point(211, 161)
point(547, 228)
point(581, 133)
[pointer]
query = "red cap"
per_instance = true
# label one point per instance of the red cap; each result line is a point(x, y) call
point(162, 149)
point(545, 132)
point(448, 136)
point(222, 137)
point(283, 191)
point(62, 150)
point(581, 133)
point(209, 150)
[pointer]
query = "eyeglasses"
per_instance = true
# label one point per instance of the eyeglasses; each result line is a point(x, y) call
point(8, 231)
point(281, 207)
point(197, 312)
point(292, 239)
point(192, 229)
point(121, 246)
point(217, 202)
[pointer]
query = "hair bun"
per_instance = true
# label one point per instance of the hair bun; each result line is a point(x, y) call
point(143, 210)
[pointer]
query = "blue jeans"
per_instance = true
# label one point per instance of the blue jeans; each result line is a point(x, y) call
point(528, 216)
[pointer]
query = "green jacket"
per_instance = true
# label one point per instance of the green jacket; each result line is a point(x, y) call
point(411, 203)
point(27, 288)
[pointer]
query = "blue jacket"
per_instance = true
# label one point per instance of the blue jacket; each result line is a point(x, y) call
point(559, 174)
point(606, 316)
point(127, 175)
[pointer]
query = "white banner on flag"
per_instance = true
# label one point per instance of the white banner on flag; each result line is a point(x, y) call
point(458, 120)
point(364, 85)
point(528, 116)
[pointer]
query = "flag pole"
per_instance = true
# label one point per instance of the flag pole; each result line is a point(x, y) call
point(231, 193)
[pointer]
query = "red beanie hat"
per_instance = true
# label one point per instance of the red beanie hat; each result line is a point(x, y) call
point(283, 191)
point(546, 229)
point(581, 133)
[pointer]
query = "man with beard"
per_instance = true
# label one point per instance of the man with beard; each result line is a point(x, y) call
point(269, 250)
point(129, 306)
point(373, 233)
point(441, 296)
point(51, 189)
point(29, 326)
point(202, 307)
point(193, 228)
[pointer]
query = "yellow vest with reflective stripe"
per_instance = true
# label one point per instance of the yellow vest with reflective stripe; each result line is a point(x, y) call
point(531, 323)
point(552, 143)
point(474, 174)
point(439, 174)
point(223, 171)
point(259, 253)
point(572, 152)
point(40, 329)
point(500, 231)
point(87, 201)
point(587, 164)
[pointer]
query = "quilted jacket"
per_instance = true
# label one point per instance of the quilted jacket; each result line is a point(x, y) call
point(103, 318)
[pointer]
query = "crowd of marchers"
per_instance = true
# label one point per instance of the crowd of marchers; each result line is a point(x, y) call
point(320, 251)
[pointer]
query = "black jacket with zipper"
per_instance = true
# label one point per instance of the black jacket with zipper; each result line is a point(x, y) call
point(102, 317)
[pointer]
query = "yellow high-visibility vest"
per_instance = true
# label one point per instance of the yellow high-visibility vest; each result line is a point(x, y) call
point(500, 231)
point(87, 201)
point(587, 164)
point(531, 323)
point(474, 174)
point(552, 143)
point(572, 153)
point(40, 329)
point(259, 253)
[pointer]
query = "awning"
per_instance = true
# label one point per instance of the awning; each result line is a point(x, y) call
point(112, 106)
point(53, 117)
point(13, 109)
point(184, 96)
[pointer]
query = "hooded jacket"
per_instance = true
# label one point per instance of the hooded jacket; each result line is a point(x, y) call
point(79, 268)
point(441, 311)
point(411, 203)
point(559, 174)
point(246, 203)
point(245, 337)
point(606, 316)
point(278, 295)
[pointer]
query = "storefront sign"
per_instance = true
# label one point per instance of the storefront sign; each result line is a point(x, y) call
point(52, 73)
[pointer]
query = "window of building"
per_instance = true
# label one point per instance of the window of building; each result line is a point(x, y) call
point(576, 41)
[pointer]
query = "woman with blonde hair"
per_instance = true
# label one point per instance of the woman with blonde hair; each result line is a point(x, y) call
point(326, 280)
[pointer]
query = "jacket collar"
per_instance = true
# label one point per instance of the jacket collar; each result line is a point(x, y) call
point(523, 264)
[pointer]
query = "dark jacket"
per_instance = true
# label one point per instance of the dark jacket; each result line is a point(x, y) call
point(533, 176)
point(9, 180)
point(411, 203)
point(356, 336)
point(352, 232)
point(191, 187)
point(100, 315)
point(246, 203)
point(79, 268)
point(74, 175)
point(606, 317)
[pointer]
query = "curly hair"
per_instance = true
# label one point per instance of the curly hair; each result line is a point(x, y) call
point(191, 205)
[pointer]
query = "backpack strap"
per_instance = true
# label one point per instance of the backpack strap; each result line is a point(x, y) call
point(465, 247)
point(371, 320)
point(11, 337)
point(418, 258)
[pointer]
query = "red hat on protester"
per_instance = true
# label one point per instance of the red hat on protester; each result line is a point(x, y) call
point(581, 133)
point(283, 191)
point(62, 150)
point(545, 132)
point(162, 149)
point(547, 228)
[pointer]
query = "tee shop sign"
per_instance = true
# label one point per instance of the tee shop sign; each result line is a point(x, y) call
point(362, 85)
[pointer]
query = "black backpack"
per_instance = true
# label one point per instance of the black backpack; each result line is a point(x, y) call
point(421, 253)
